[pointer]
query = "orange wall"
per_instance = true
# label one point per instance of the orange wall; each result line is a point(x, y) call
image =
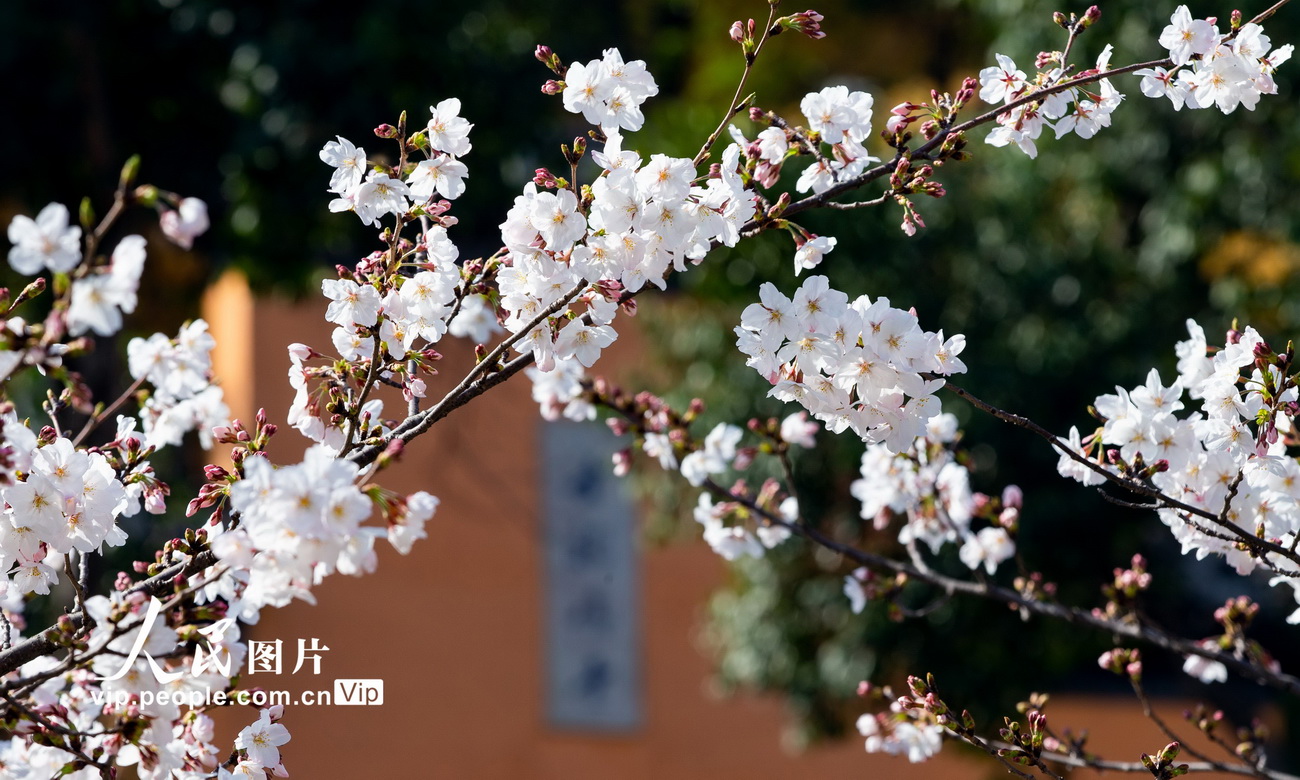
point(455, 628)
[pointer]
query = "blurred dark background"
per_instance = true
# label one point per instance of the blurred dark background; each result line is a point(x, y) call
point(1069, 274)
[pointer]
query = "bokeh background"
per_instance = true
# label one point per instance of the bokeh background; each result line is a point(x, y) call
point(1069, 274)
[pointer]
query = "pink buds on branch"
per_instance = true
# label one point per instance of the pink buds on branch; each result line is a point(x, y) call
point(551, 60)
point(807, 22)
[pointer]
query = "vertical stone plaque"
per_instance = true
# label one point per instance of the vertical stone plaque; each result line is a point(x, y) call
point(591, 583)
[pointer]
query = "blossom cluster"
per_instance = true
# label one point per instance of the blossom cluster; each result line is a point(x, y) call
point(147, 665)
point(169, 743)
point(100, 298)
point(372, 193)
point(98, 294)
point(1212, 69)
point(385, 330)
point(724, 525)
point(392, 307)
point(1224, 70)
point(608, 92)
point(836, 118)
point(559, 392)
point(732, 540)
point(930, 489)
point(60, 497)
point(644, 220)
point(574, 255)
point(1081, 110)
point(70, 499)
point(900, 732)
point(298, 524)
point(571, 255)
point(858, 364)
point(184, 397)
point(1228, 459)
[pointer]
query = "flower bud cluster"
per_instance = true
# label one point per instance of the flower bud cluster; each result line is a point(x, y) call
point(1235, 616)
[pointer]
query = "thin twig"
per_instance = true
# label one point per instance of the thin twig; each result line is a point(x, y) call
point(98, 418)
point(734, 106)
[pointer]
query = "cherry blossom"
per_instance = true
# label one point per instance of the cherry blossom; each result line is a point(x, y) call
point(47, 242)
point(448, 132)
point(349, 163)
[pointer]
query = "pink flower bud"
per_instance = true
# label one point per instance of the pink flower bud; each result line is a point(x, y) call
point(1013, 496)
point(807, 22)
point(186, 223)
point(544, 178)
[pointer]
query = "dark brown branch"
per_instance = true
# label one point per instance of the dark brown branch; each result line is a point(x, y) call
point(1071, 615)
point(1134, 486)
point(1086, 762)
